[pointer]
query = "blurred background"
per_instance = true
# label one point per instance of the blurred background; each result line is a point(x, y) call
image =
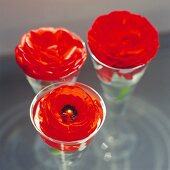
point(19, 16)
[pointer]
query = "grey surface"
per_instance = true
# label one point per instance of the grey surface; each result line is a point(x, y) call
point(153, 89)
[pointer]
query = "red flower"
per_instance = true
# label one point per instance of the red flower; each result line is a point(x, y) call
point(68, 113)
point(123, 40)
point(50, 53)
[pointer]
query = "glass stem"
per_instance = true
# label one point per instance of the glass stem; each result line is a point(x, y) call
point(116, 100)
point(115, 115)
point(69, 161)
point(64, 165)
point(119, 133)
point(66, 160)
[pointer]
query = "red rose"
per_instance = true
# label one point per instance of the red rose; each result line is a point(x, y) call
point(123, 40)
point(50, 53)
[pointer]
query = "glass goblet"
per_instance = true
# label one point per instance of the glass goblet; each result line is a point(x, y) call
point(121, 45)
point(118, 86)
point(72, 116)
point(38, 85)
point(47, 55)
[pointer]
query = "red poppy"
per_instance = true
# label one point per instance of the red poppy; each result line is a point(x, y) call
point(68, 113)
point(50, 53)
point(123, 40)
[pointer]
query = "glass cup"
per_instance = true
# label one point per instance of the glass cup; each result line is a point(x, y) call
point(117, 86)
point(47, 55)
point(38, 85)
point(121, 44)
point(66, 152)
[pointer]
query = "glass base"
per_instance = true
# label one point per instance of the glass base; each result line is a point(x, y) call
point(119, 145)
point(152, 150)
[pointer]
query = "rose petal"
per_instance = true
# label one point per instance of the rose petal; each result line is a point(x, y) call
point(50, 53)
point(122, 39)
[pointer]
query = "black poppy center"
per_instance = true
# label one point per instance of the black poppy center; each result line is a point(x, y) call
point(68, 113)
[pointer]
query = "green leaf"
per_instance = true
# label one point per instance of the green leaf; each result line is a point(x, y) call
point(54, 151)
point(123, 93)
